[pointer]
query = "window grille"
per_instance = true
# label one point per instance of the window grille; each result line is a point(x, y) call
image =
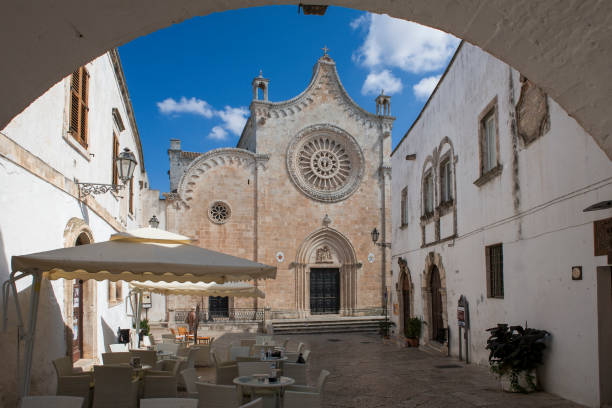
point(495, 270)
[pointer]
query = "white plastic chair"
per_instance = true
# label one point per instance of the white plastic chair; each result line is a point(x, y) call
point(168, 403)
point(217, 396)
point(190, 377)
point(297, 399)
point(253, 367)
point(118, 347)
point(258, 403)
point(51, 401)
point(296, 371)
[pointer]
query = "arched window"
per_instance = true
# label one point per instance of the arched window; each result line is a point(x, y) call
point(428, 193)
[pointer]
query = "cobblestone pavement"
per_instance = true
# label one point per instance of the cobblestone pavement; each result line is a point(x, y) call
point(367, 373)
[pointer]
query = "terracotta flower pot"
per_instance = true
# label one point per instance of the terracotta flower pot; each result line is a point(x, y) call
point(412, 342)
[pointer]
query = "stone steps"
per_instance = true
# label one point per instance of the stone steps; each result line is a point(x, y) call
point(327, 325)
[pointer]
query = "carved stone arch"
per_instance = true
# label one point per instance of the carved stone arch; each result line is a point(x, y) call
point(433, 261)
point(209, 160)
point(77, 232)
point(405, 294)
point(343, 257)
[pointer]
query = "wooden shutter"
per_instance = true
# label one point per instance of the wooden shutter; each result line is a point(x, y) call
point(79, 90)
point(115, 173)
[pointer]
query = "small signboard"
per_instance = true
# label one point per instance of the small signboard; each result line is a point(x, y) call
point(146, 300)
point(462, 312)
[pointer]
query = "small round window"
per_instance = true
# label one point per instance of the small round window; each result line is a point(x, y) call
point(219, 212)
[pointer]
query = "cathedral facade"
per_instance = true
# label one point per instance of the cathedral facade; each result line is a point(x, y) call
point(306, 184)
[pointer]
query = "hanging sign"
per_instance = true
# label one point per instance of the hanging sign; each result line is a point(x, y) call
point(463, 312)
point(146, 300)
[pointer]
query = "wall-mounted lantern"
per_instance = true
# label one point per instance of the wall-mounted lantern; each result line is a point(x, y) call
point(126, 164)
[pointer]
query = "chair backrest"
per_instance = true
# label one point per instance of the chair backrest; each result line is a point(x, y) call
point(217, 396)
point(114, 386)
point(159, 386)
point(63, 366)
point(148, 357)
point(189, 378)
point(51, 401)
point(225, 374)
point(302, 399)
point(118, 347)
point(170, 366)
point(201, 356)
point(182, 330)
point(258, 403)
point(300, 347)
point(236, 351)
point(116, 358)
point(168, 403)
point(322, 379)
point(254, 367)
point(239, 358)
point(295, 371)
point(247, 342)
point(168, 347)
point(306, 355)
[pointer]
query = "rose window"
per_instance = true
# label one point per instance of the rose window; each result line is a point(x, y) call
point(219, 212)
point(325, 163)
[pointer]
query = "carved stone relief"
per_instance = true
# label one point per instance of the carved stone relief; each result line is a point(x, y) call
point(324, 255)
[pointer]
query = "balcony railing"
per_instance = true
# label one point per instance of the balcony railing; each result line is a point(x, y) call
point(233, 314)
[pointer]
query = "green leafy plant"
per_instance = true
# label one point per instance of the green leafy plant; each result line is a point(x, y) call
point(412, 328)
point(145, 329)
point(514, 350)
point(384, 326)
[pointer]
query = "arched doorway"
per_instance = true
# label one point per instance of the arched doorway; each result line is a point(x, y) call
point(326, 274)
point(406, 297)
point(436, 319)
point(77, 309)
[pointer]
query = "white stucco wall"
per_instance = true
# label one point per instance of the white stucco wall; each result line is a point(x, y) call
point(35, 214)
point(559, 175)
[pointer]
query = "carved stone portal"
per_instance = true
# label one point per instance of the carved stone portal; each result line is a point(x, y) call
point(531, 112)
point(324, 255)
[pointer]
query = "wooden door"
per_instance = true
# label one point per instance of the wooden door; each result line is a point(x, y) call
point(77, 320)
point(324, 290)
point(406, 300)
point(437, 322)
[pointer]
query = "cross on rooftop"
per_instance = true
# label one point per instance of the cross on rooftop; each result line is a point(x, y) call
point(325, 49)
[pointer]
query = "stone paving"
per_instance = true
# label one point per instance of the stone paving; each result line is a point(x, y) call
point(367, 373)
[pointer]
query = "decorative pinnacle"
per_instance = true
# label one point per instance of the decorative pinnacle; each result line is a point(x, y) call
point(326, 220)
point(261, 73)
point(325, 49)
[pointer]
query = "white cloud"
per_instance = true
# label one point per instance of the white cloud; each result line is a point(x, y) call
point(425, 87)
point(377, 81)
point(234, 119)
point(218, 133)
point(411, 47)
point(192, 105)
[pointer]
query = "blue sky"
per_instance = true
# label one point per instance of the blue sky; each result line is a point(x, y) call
point(192, 81)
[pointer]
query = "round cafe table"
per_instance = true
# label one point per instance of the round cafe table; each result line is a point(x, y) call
point(253, 383)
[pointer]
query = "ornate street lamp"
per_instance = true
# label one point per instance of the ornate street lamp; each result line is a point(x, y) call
point(375, 235)
point(126, 163)
point(154, 222)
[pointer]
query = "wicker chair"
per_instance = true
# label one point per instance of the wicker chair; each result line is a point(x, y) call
point(116, 387)
point(225, 374)
point(190, 377)
point(235, 351)
point(298, 399)
point(169, 403)
point(217, 396)
point(116, 358)
point(202, 355)
point(72, 381)
point(258, 403)
point(165, 368)
point(159, 386)
point(296, 371)
point(51, 401)
point(148, 357)
point(318, 388)
point(306, 355)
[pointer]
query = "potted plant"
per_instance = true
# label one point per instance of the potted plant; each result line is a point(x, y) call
point(384, 326)
point(412, 331)
point(514, 354)
point(144, 328)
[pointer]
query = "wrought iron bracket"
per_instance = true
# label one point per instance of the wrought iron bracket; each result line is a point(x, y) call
point(86, 189)
point(383, 244)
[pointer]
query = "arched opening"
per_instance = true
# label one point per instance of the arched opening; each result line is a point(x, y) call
point(77, 308)
point(436, 318)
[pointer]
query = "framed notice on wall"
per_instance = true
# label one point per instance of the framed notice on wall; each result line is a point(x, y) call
point(602, 230)
point(146, 300)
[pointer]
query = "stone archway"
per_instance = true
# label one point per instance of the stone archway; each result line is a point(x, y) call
point(77, 232)
point(434, 269)
point(326, 248)
point(405, 294)
point(564, 50)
